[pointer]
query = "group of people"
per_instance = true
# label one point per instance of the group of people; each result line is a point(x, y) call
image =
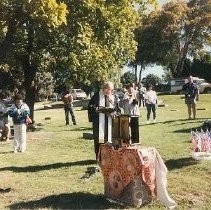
point(102, 118)
point(131, 102)
point(102, 107)
point(19, 112)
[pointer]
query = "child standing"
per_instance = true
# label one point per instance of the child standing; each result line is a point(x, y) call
point(19, 112)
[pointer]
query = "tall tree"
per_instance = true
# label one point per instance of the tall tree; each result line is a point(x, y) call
point(201, 66)
point(179, 30)
point(100, 38)
point(96, 41)
point(25, 27)
point(128, 78)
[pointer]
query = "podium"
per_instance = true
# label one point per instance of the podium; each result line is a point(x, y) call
point(125, 128)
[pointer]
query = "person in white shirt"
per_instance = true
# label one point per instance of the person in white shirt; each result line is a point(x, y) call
point(151, 102)
point(131, 101)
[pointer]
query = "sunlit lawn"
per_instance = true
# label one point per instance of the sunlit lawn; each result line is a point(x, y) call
point(49, 174)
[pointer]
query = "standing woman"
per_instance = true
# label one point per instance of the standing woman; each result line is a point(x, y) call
point(19, 112)
point(151, 102)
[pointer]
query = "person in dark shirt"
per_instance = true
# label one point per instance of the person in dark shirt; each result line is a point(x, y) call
point(191, 96)
point(68, 107)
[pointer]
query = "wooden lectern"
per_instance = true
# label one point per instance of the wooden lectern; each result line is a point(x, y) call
point(125, 129)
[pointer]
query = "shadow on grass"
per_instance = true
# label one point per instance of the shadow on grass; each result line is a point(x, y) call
point(77, 200)
point(187, 130)
point(47, 167)
point(180, 122)
point(186, 120)
point(82, 129)
point(73, 128)
point(6, 152)
point(180, 163)
point(34, 130)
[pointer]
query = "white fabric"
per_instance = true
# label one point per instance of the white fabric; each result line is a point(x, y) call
point(102, 118)
point(151, 97)
point(20, 137)
point(161, 183)
point(129, 108)
point(201, 155)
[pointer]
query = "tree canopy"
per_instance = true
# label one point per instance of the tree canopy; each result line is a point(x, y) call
point(168, 36)
point(81, 42)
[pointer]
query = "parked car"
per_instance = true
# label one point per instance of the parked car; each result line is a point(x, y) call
point(204, 87)
point(177, 84)
point(78, 94)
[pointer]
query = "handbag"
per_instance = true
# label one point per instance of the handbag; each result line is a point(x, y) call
point(28, 120)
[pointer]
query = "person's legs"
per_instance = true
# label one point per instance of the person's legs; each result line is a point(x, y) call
point(143, 100)
point(154, 111)
point(72, 115)
point(189, 110)
point(16, 143)
point(5, 133)
point(66, 110)
point(22, 138)
point(95, 127)
point(194, 110)
point(148, 111)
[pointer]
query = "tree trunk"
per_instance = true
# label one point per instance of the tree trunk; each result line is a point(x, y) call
point(7, 43)
point(29, 84)
point(136, 72)
point(30, 70)
point(140, 73)
point(181, 60)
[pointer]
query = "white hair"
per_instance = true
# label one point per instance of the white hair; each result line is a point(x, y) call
point(108, 84)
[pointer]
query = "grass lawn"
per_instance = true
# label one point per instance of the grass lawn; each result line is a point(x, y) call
point(49, 174)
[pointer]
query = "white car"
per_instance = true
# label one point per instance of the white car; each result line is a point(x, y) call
point(177, 84)
point(78, 94)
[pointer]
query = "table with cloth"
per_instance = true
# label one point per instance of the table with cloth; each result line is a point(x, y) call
point(133, 175)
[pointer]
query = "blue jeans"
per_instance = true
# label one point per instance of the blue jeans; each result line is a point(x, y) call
point(70, 110)
point(151, 107)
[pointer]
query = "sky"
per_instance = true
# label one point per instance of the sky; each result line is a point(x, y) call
point(163, 1)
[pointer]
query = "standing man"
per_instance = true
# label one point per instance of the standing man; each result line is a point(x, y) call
point(191, 96)
point(19, 112)
point(151, 103)
point(101, 108)
point(131, 101)
point(142, 91)
point(68, 107)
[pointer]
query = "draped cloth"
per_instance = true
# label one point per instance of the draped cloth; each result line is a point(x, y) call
point(134, 175)
point(105, 121)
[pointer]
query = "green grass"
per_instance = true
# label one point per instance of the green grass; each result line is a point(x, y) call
point(48, 175)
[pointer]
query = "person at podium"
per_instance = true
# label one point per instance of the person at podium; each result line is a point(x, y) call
point(131, 101)
point(102, 107)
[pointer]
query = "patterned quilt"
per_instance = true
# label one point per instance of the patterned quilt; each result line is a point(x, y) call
point(129, 173)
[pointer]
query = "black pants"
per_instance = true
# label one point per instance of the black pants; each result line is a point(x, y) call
point(142, 101)
point(69, 110)
point(95, 127)
point(151, 107)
